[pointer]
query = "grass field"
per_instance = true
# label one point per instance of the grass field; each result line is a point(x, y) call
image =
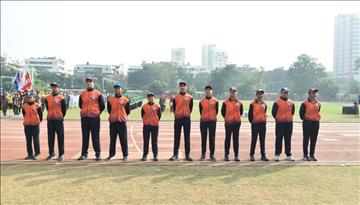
point(331, 112)
point(161, 184)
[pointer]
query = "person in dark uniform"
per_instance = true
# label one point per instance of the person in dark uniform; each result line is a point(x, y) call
point(182, 104)
point(32, 118)
point(118, 107)
point(232, 110)
point(209, 108)
point(257, 118)
point(151, 114)
point(310, 115)
point(16, 104)
point(42, 100)
point(56, 107)
point(91, 103)
point(283, 110)
point(4, 103)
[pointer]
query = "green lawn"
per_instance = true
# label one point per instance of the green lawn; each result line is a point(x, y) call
point(331, 112)
point(161, 184)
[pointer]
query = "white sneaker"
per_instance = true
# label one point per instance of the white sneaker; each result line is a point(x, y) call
point(277, 158)
point(290, 158)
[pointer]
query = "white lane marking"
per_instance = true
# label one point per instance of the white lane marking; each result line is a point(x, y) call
point(329, 140)
point(133, 139)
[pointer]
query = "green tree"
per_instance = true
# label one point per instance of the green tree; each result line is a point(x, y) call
point(304, 73)
point(353, 87)
point(156, 87)
point(275, 79)
point(328, 88)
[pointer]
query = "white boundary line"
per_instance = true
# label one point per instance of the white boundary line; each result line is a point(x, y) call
point(133, 139)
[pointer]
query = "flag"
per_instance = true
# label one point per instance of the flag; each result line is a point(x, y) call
point(17, 81)
point(27, 82)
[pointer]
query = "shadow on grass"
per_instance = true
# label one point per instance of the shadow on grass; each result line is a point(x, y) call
point(82, 173)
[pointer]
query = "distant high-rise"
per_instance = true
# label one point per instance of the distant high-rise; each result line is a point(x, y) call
point(212, 57)
point(208, 56)
point(346, 47)
point(178, 56)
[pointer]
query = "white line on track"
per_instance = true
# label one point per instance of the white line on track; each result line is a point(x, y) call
point(133, 139)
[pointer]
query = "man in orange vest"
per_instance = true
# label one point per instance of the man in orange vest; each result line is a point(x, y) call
point(257, 118)
point(91, 103)
point(182, 106)
point(231, 110)
point(118, 107)
point(56, 107)
point(151, 114)
point(32, 117)
point(310, 114)
point(283, 110)
point(208, 107)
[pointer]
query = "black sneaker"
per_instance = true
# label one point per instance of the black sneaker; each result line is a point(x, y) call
point(109, 158)
point(98, 158)
point(212, 158)
point(144, 158)
point(313, 158)
point(263, 158)
point(29, 157)
point(50, 157)
point(227, 158)
point(61, 158)
point(173, 158)
point(202, 158)
point(252, 158)
point(82, 157)
point(155, 158)
point(188, 158)
point(237, 158)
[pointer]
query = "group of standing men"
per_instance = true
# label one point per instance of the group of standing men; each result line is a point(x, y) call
point(92, 104)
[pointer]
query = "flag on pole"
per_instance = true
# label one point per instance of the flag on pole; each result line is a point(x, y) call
point(17, 81)
point(27, 83)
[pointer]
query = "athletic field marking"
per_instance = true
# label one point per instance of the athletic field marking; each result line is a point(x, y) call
point(133, 139)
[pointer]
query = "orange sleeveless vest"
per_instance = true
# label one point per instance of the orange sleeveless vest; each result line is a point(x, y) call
point(54, 107)
point(31, 115)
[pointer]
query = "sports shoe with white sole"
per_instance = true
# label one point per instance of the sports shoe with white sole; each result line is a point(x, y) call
point(277, 158)
point(290, 158)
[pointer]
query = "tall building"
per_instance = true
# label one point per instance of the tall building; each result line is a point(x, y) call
point(212, 57)
point(178, 56)
point(208, 56)
point(346, 47)
point(221, 59)
point(51, 64)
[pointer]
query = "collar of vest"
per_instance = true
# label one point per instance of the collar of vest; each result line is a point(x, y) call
point(89, 89)
point(182, 93)
point(118, 96)
point(54, 94)
point(309, 100)
point(283, 98)
point(208, 97)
